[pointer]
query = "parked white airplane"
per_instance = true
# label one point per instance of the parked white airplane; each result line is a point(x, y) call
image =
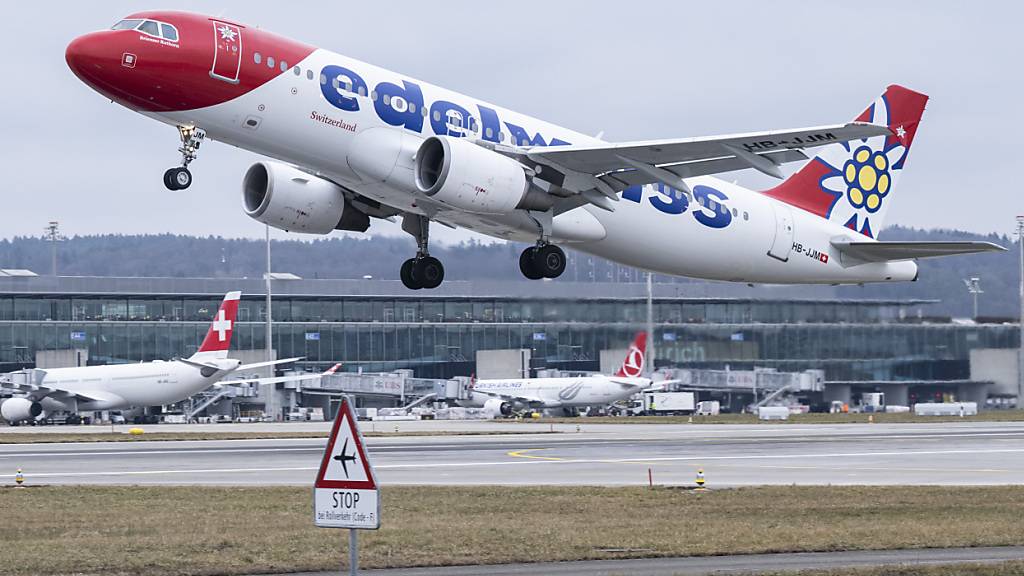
point(121, 386)
point(505, 397)
point(361, 142)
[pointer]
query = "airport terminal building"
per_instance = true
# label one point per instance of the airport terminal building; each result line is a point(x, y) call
point(379, 326)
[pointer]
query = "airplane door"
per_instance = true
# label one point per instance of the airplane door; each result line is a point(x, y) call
point(227, 53)
point(782, 244)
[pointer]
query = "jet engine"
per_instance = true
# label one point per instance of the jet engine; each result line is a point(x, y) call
point(498, 407)
point(17, 409)
point(464, 176)
point(295, 201)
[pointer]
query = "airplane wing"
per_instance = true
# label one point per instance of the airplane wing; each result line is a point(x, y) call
point(887, 251)
point(613, 167)
point(268, 363)
point(36, 390)
point(271, 380)
point(533, 402)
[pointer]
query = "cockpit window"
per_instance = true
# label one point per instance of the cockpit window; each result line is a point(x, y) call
point(126, 25)
point(169, 32)
point(150, 27)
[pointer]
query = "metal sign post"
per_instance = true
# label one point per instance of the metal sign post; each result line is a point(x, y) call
point(346, 494)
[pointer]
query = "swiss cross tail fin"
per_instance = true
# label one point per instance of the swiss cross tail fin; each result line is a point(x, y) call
point(633, 365)
point(852, 183)
point(218, 337)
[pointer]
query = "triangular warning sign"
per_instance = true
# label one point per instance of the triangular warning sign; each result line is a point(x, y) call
point(345, 464)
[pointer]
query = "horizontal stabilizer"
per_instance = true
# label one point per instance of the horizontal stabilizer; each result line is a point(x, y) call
point(888, 251)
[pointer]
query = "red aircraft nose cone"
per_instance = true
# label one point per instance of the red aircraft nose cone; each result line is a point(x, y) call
point(86, 57)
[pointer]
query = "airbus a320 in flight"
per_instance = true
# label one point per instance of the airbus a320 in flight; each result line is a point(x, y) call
point(351, 142)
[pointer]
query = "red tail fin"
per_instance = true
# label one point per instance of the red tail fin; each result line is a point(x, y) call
point(633, 365)
point(218, 337)
point(851, 182)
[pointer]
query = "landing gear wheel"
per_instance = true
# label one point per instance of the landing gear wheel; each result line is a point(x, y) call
point(407, 274)
point(429, 272)
point(526, 265)
point(549, 261)
point(177, 178)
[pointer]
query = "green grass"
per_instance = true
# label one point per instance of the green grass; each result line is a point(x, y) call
point(205, 531)
point(58, 437)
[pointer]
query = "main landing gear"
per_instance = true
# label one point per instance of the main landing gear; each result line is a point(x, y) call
point(180, 178)
point(542, 261)
point(423, 271)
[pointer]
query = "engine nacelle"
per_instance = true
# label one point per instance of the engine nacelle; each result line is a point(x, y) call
point(292, 200)
point(462, 175)
point(17, 409)
point(498, 407)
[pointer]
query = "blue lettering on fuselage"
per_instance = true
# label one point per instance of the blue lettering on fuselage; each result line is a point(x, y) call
point(404, 105)
point(709, 204)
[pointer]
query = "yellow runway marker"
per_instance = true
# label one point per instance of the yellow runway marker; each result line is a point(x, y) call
point(523, 454)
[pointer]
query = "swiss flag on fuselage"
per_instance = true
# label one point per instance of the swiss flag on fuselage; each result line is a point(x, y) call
point(218, 337)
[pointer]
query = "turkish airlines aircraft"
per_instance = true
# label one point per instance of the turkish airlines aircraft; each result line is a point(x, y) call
point(353, 142)
point(505, 397)
point(121, 386)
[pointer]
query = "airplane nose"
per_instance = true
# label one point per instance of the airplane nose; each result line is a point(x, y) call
point(86, 57)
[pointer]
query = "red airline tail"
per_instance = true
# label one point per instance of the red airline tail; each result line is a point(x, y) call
point(633, 365)
point(218, 337)
point(851, 183)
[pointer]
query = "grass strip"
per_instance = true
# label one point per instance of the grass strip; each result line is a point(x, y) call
point(812, 418)
point(207, 530)
point(57, 437)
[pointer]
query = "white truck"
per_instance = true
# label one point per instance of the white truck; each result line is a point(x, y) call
point(661, 403)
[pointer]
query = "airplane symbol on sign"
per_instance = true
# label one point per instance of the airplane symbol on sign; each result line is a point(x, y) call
point(344, 458)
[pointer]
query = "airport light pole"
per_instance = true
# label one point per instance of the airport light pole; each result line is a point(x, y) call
point(650, 324)
point(974, 287)
point(269, 336)
point(1020, 355)
point(53, 235)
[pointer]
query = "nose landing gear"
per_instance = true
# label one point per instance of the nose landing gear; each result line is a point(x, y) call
point(180, 178)
point(422, 271)
point(542, 261)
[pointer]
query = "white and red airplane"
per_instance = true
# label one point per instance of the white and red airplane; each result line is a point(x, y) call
point(121, 386)
point(353, 142)
point(505, 397)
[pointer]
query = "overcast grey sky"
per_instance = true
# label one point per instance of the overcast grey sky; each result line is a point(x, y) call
point(636, 70)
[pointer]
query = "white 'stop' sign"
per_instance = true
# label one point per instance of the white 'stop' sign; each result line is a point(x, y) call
point(345, 494)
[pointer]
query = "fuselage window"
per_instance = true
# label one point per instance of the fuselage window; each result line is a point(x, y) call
point(284, 66)
point(362, 91)
point(257, 57)
point(373, 95)
point(735, 213)
point(746, 216)
point(150, 27)
point(270, 61)
point(437, 116)
point(169, 32)
point(387, 100)
point(488, 132)
point(309, 74)
point(501, 136)
point(126, 25)
point(323, 78)
point(297, 71)
point(412, 107)
point(424, 112)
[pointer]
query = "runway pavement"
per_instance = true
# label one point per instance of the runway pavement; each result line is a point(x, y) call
point(695, 566)
point(605, 454)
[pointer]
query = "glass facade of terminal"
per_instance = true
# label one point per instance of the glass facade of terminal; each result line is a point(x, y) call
point(438, 336)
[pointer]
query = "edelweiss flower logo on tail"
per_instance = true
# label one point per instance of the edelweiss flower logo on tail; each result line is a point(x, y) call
point(862, 173)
